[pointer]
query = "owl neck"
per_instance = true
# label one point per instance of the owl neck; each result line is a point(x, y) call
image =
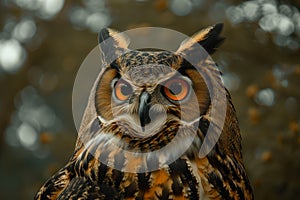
point(128, 139)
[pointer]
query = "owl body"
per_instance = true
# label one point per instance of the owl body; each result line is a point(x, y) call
point(148, 115)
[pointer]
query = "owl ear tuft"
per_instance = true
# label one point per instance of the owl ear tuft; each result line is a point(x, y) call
point(119, 39)
point(209, 38)
point(112, 44)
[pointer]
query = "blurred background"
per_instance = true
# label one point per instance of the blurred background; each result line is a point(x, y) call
point(43, 43)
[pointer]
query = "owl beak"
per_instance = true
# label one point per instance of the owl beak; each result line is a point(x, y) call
point(144, 108)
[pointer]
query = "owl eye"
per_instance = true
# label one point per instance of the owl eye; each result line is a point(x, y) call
point(176, 89)
point(122, 90)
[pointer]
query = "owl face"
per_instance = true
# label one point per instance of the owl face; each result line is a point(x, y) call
point(146, 89)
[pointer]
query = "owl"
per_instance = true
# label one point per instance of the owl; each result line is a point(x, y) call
point(158, 125)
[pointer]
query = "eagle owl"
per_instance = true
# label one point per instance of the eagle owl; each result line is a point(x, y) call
point(149, 114)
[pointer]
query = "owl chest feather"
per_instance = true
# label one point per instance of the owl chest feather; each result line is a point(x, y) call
point(179, 180)
point(216, 176)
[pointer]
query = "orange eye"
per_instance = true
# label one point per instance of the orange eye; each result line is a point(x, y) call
point(123, 90)
point(176, 89)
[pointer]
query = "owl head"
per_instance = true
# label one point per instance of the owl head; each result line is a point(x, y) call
point(144, 98)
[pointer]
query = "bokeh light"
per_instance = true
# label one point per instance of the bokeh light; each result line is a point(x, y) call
point(46, 9)
point(24, 30)
point(181, 7)
point(265, 97)
point(12, 55)
point(281, 19)
point(27, 135)
point(93, 16)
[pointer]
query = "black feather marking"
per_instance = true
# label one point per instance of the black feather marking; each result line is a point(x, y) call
point(93, 174)
point(234, 169)
point(116, 174)
point(228, 172)
point(240, 193)
point(224, 170)
point(109, 192)
point(177, 188)
point(80, 163)
point(213, 39)
point(203, 125)
point(180, 167)
point(233, 187)
point(115, 66)
point(130, 190)
point(51, 186)
point(75, 189)
point(164, 194)
point(143, 181)
point(117, 177)
point(102, 168)
point(87, 160)
point(102, 172)
point(217, 182)
point(103, 35)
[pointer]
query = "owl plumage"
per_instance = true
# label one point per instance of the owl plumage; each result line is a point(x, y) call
point(142, 101)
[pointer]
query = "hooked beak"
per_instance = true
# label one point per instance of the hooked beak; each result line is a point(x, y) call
point(144, 108)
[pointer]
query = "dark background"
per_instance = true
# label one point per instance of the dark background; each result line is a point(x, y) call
point(43, 43)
